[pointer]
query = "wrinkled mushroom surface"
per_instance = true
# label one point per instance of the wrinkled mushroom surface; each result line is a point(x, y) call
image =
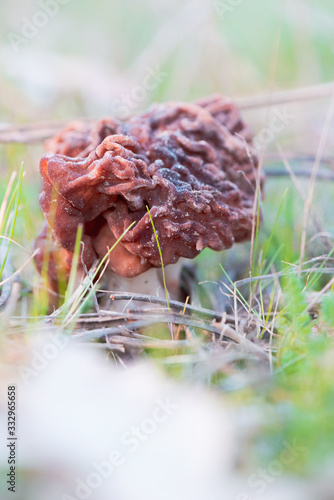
point(192, 164)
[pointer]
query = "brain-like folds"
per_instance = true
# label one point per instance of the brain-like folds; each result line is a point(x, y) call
point(192, 165)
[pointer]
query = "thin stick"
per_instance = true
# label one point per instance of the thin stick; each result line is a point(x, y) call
point(33, 132)
point(145, 344)
point(228, 333)
point(273, 157)
point(285, 96)
point(37, 132)
point(278, 172)
point(161, 259)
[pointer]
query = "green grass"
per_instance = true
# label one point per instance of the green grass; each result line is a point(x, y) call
point(296, 400)
point(161, 259)
point(8, 215)
point(292, 391)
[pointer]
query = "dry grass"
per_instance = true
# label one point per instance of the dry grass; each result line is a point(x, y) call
point(258, 325)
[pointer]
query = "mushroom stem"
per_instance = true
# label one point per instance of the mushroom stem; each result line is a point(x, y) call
point(149, 282)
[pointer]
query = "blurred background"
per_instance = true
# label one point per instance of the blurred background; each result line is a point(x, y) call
point(64, 59)
point(70, 59)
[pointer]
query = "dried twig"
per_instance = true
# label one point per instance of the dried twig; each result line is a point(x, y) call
point(142, 343)
point(174, 304)
point(285, 96)
point(272, 157)
point(40, 131)
point(138, 320)
point(30, 133)
point(279, 172)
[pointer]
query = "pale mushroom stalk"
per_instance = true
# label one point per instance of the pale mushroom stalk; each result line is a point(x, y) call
point(150, 282)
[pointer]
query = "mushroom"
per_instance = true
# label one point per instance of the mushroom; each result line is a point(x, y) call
point(192, 165)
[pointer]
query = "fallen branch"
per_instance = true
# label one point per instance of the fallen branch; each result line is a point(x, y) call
point(321, 176)
point(135, 322)
point(37, 132)
point(285, 96)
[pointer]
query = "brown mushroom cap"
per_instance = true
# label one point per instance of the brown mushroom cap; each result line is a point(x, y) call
point(193, 165)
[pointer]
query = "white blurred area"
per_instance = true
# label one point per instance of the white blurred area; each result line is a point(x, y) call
point(89, 56)
point(88, 429)
point(176, 441)
point(73, 412)
point(89, 60)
